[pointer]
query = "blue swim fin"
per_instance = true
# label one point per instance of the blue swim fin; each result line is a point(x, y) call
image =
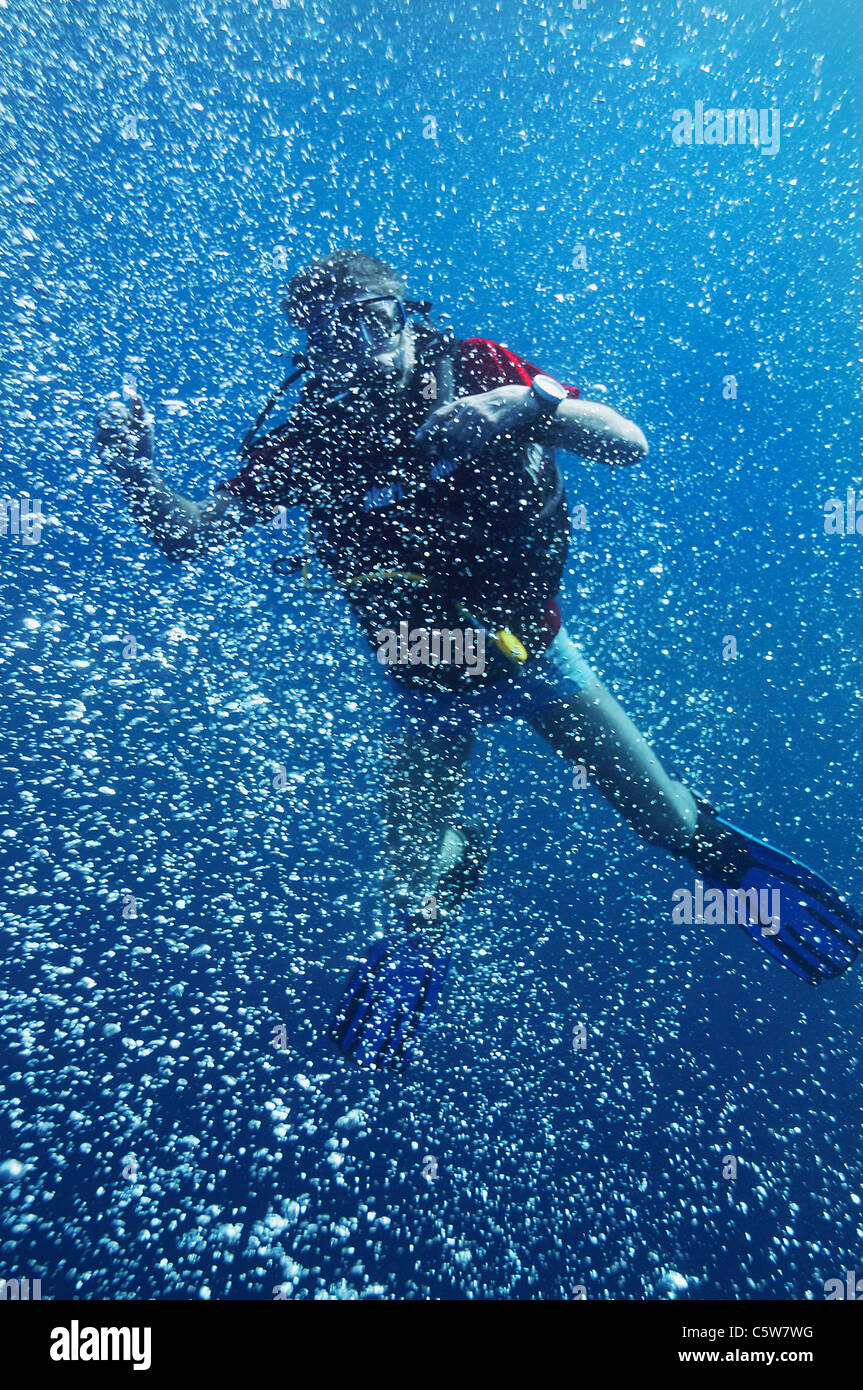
point(390, 996)
point(393, 990)
point(814, 933)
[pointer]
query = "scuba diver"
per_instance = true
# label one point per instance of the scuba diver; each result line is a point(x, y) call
point(426, 468)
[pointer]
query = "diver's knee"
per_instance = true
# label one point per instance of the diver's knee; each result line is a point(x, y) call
point(668, 821)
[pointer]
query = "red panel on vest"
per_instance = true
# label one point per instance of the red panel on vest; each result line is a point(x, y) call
point(486, 364)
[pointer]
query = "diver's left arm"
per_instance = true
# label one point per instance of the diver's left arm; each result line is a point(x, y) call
point(464, 427)
point(593, 431)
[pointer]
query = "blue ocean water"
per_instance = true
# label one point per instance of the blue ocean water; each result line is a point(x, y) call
point(168, 907)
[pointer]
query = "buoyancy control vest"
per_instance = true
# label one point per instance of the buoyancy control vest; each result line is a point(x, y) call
point(434, 543)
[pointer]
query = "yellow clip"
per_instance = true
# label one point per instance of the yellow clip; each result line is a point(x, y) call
point(510, 645)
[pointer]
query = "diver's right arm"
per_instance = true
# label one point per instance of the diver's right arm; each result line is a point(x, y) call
point(182, 528)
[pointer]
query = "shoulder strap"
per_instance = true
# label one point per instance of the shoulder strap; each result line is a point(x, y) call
point(301, 366)
point(436, 352)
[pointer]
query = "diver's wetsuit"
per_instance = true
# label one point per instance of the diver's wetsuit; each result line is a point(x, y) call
point(489, 535)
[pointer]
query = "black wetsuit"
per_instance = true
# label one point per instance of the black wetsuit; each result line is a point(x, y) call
point(489, 535)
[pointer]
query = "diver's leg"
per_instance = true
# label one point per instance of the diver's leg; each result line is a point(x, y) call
point(590, 727)
point(423, 809)
point(816, 934)
point(432, 866)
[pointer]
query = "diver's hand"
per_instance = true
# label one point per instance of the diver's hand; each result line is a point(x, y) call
point(124, 435)
point(462, 429)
